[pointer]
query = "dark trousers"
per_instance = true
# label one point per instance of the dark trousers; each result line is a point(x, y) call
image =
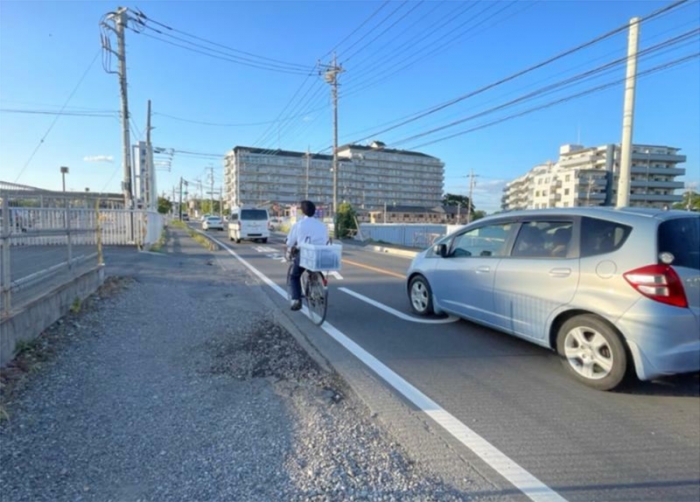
point(295, 278)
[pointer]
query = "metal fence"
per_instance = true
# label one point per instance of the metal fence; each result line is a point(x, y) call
point(42, 249)
point(45, 247)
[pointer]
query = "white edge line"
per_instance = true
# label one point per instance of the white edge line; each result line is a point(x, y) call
point(532, 487)
point(395, 312)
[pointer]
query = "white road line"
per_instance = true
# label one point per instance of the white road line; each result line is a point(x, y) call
point(335, 275)
point(531, 487)
point(395, 312)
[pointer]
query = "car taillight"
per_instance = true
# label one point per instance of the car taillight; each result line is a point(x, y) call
point(660, 283)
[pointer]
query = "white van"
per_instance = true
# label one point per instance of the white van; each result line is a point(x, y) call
point(248, 223)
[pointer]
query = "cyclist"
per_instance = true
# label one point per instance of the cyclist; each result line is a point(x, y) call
point(308, 229)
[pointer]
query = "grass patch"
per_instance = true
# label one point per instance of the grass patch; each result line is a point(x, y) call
point(158, 246)
point(199, 238)
point(75, 306)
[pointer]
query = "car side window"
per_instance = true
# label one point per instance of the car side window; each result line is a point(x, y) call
point(489, 240)
point(543, 239)
point(601, 236)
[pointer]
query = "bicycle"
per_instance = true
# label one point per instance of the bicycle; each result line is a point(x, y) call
point(314, 292)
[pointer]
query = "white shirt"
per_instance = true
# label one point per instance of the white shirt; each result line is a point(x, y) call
point(308, 227)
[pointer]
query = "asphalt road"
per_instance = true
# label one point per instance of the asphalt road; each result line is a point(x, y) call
point(641, 443)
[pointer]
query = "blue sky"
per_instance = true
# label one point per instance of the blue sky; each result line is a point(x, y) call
point(451, 48)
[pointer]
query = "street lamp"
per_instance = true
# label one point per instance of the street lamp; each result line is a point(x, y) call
point(64, 171)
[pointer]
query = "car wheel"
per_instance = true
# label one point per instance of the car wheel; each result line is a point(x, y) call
point(592, 352)
point(420, 295)
point(264, 240)
point(238, 241)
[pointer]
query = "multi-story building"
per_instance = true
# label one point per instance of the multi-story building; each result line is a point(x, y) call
point(589, 177)
point(368, 177)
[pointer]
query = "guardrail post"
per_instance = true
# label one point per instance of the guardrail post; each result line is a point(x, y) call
point(5, 262)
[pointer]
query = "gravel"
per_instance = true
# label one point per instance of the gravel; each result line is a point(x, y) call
point(177, 384)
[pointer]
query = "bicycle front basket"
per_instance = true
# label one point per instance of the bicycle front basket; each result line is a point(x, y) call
point(320, 258)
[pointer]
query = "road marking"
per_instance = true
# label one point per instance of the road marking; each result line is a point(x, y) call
point(335, 274)
point(375, 269)
point(264, 249)
point(528, 484)
point(395, 312)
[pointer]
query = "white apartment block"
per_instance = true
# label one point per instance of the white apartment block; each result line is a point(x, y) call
point(368, 177)
point(589, 176)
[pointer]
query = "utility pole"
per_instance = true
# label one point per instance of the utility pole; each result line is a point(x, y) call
point(308, 161)
point(623, 185)
point(119, 20)
point(179, 206)
point(470, 206)
point(331, 76)
point(211, 194)
point(150, 189)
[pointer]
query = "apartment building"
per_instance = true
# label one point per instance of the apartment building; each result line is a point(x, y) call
point(588, 176)
point(368, 177)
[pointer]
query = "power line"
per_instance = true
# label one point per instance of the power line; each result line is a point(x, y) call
point(142, 17)
point(520, 73)
point(384, 4)
point(599, 88)
point(53, 123)
point(561, 84)
point(421, 55)
point(421, 32)
point(64, 113)
point(383, 32)
point(229, 59)
point(598, 58)
point(221, 124)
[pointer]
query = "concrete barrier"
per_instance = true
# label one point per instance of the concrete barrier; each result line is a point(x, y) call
point(33, 318)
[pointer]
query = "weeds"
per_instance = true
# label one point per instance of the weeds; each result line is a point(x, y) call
point(76, 306)
point(156, 248)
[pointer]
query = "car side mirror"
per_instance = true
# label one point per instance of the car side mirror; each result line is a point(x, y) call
point(440, 250)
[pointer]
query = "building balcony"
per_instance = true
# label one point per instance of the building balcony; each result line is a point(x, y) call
point(664, 171)
point(657, 184)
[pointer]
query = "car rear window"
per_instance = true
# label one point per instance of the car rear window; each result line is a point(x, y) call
point(253, 214)
point(602, 236)
point(681, 238)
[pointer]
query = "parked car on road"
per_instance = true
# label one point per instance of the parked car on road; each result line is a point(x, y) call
point(608, 289)
point(213, 223)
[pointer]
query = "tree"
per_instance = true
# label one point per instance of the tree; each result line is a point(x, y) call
point(164, 205)
point(691, 200)
point(450, 199)
point(345, 221)
point(477, 215)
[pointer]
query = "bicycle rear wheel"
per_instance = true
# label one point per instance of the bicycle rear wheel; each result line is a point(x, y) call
point(316, 295)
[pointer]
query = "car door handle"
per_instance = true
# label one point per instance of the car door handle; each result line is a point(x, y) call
point(483, 270)
point(560, 272)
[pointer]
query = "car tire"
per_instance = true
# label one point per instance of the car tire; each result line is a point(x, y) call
point(238, 241)
point(420, 296)
point(264, 241)
point(592, 352)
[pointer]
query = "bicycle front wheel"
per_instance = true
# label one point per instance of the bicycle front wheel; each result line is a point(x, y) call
point(316, 299)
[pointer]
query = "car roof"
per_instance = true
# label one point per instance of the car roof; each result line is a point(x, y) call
point(621, 214)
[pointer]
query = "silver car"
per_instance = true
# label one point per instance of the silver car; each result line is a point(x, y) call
point(609, 289)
